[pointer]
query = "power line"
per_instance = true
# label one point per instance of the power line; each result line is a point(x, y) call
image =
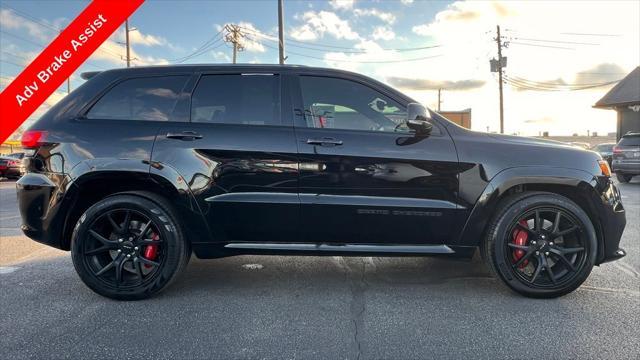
point(539, 45)
point(308, 45)
point(356, 61)
point(32, 18)
point(529, 85)
point(587, 34)
point(201, 49)
point(555, 41)
point(37, 44)
point(37, 22)
point(557, 84)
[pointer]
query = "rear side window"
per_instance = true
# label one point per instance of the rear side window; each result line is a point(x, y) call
point(630, 141)
point(251, 99)
point(150, 99)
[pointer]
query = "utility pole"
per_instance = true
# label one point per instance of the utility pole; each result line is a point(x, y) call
point(234, 35)
point(69, 78)
point(500, 66)
point(281, 56)
point(439, 101)
point(126, 32)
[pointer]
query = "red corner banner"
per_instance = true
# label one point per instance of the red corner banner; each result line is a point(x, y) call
point(60, 59)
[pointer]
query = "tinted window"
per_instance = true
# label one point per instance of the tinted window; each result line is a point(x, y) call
point(151, 99)
point(237, 99)
point(630, 140)
point(604, 147)
point(343, 104)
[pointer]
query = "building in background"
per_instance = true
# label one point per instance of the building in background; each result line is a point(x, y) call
point(10, 146)
point(462, 118)
point(624, 98)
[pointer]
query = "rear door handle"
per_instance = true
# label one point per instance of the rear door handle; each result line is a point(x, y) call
point(324, 142)
point(184, 135)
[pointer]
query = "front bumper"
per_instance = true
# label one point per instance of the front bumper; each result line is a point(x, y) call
point(613, 220)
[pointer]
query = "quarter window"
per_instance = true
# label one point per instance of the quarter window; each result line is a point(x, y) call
point(250, 99)
point(343, 104)
point(150, 99)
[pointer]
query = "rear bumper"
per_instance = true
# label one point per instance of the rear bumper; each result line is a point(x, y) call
point(13, 172)
point(40, 199)
point(626, 168)
point(613, 220)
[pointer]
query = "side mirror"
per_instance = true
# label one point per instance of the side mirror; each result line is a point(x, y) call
point(418, 119)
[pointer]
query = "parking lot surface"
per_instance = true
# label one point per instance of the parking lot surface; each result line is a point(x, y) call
point(314, 307)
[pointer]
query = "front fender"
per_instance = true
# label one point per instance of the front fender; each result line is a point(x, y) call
point(486, 204)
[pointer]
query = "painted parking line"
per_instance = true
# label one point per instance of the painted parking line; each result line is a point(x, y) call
point(7, 269)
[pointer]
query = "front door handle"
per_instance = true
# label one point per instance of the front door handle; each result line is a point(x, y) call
point(324, 142)
point(184, 135)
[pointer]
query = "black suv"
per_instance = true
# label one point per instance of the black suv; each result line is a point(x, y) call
point(140, 167)
point(626, 157)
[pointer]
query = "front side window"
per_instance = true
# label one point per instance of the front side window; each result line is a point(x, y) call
point(343, 104)
point(150, 99)
point(251, 99)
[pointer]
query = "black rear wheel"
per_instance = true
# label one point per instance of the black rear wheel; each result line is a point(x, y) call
point(541, 245)
point(128, 246)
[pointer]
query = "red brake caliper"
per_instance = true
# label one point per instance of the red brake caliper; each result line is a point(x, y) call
point(151, 251)
point(520, 237)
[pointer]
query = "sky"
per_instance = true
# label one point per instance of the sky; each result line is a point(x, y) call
point(558, 52)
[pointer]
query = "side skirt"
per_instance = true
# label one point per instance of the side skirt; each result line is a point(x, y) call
point(358, 248)
point(208, 251)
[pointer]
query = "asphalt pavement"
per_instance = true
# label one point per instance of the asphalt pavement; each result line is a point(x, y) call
point(249, 307)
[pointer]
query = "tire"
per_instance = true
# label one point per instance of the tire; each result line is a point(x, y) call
point(501, 257)
point(101, 242)
point(623, 178)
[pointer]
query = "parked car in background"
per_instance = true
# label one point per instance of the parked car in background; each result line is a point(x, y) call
point(11, 166)
point(605, 150)
point(580, 145)
point(140, 167)
point(16, 155)
point(626, 157)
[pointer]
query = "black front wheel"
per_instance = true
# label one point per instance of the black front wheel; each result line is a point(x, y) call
point(128, 246)
point(541, 245)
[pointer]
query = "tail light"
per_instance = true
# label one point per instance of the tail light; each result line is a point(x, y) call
point(617, 150)
point(14, 163)
point(604, 168)
point(32, 139)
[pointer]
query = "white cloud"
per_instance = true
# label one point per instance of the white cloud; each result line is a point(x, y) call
point(466, 29)
point(304, 33)
point(319, 23)
point(138, 38)
point(387, 17)
point(251, 42)
point(342, 4)
point(406, 2)
point(383, 33)
point(10, 20)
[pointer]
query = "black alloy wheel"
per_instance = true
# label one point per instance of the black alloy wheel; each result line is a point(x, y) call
point(554, 251)
point(541, 244)
point(129, 246)
point(123, 248)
